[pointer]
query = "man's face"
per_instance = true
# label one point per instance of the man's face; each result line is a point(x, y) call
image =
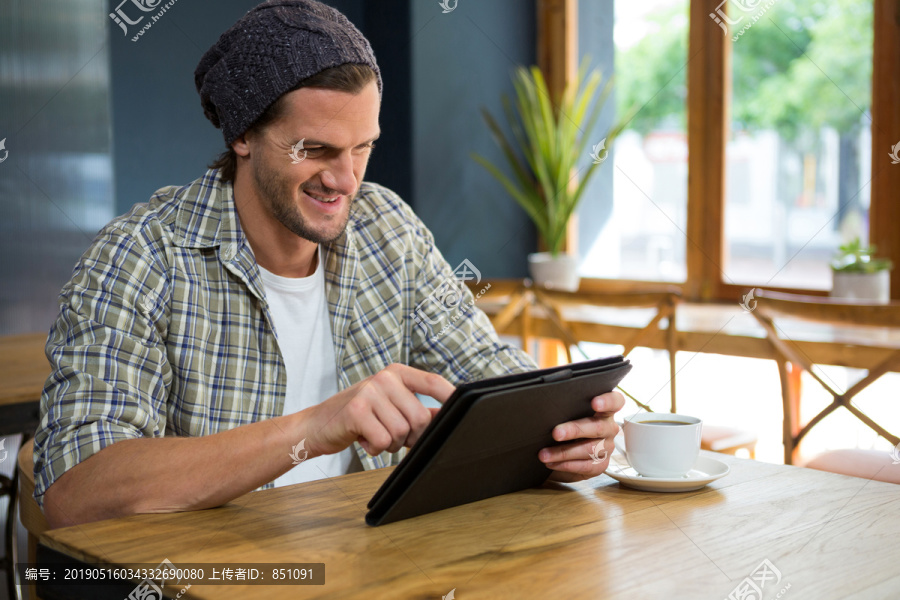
point(312, 197)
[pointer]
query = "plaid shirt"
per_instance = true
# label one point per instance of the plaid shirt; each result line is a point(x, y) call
point(164, 328)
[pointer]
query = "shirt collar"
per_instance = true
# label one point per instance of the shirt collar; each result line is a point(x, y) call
point(206, 215)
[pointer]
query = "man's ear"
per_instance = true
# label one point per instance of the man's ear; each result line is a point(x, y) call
point(240, 146)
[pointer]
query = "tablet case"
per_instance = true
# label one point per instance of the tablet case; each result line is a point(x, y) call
point(485, 440)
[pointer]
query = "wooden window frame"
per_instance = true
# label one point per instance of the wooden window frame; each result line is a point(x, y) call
point(709, 85)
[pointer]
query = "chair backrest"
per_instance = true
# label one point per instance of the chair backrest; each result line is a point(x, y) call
point(833, 313)
point(518, 296)
point(664, 299)
point(29, 512)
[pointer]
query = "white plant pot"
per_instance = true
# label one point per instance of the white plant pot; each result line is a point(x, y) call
point(558, 272)
point(867, 287)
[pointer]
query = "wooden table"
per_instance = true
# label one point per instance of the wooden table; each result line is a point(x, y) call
point(23, 371)
point(829, 536)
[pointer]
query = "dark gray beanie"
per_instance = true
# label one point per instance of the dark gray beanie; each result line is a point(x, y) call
point(268, 52)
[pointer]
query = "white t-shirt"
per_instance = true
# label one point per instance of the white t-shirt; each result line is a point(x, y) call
point(303, 328)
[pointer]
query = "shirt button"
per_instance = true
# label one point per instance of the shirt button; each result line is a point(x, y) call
point(228, 252)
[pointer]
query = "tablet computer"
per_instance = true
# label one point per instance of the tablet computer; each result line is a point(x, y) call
point(485, 440)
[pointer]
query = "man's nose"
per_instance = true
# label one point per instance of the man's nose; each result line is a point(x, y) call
point(339, 176)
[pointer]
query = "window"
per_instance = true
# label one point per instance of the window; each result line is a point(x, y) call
point(788, 110)
point(639, 234)
point(798, 152)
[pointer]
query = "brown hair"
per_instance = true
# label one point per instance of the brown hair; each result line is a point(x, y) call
point(350, 78)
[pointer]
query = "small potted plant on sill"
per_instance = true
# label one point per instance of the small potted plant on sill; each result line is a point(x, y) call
point(543, 154)
point(858, 275)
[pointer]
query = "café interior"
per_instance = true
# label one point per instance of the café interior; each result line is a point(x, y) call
point(707, 188)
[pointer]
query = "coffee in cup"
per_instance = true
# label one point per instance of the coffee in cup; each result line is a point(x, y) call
point(662, 445)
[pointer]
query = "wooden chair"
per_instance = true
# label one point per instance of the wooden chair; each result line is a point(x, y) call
point(29, 512)
point(550, 303)
point(869, 464)
point(847, 317)
point(528, 301)
point(728, 440)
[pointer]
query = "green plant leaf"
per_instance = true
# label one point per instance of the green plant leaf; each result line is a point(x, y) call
point(853, 257)
point(527, 202)
point(522, 172)
point(546, 145)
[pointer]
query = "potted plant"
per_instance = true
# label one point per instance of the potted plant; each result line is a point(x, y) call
point(542, 156)
point(858, 275)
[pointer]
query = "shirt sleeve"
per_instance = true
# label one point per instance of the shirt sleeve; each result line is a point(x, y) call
point(109, 372)
point(450, 334)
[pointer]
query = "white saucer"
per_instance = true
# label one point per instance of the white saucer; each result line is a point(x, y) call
point(705, 470)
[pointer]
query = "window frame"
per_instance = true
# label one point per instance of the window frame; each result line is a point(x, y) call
point(708, 93)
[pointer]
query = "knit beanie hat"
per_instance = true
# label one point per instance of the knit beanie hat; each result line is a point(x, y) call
point(268, 52)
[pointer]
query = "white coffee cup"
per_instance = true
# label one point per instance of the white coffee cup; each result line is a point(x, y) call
point(662, 445)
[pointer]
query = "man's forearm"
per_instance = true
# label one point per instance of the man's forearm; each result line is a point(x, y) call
point(154, 475)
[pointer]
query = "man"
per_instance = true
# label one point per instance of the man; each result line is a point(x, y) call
point(256, 327)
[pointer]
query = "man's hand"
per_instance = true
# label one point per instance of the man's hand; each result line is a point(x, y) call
point(382, 412)
point(582, 458)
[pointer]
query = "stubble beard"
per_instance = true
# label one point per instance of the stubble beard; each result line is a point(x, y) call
point(278, 193)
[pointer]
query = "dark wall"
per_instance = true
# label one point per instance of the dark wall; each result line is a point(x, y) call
point(56, 170)
point(462, 61)
point(386, 24)
point(160, 136)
